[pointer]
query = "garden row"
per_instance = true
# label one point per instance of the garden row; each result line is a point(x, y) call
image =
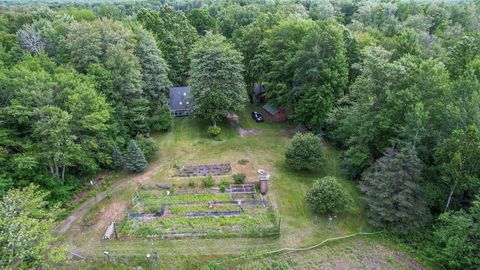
point(196, 211)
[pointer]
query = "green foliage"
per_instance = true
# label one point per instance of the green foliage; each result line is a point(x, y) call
point(161, 119)
point(175, 38)
point(326, 196)
point(275, 59)
point(457, 158)
point(393, 193)
point(117, 158)
point(191, 183)
point(25, 226)
point(409, 105)
point(155, 79)
point(321, 70)
point(208, 181)
point(134, 158)
point(304, 152)
point(224, 184)
point(216, 82)
point(65, 123)
point(147, 145)
point(202, 21)
point(214, 130)
point(456, 238)
point(239, 178)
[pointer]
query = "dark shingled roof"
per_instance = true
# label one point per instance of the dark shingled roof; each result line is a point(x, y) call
point(258, 89)
point(179, 98)
point(270, 109)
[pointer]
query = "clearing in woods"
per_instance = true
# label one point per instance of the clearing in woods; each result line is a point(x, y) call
point(189, 144)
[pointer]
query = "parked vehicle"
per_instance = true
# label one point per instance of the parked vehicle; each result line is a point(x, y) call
point(257, 117)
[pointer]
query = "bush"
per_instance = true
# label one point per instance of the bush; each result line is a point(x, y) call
point(147, 145)
point(304, 152)
point(208, 181)
point(191, 183)
point(214, 131)
point(327, 196)
point(239, 178)
point(223, 185)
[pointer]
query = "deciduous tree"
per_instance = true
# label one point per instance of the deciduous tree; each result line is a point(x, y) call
point(216, 83)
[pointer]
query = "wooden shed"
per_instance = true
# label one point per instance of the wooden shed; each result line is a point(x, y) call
point(275, 114)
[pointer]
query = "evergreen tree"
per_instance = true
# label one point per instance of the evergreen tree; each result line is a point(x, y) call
point(117, 158)
point(393, 192)
point(135, 159)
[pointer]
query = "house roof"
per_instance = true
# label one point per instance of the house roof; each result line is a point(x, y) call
point(179, 98)
point(270, 109)
point(258, 89)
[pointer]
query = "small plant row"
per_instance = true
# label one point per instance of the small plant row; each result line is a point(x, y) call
point(189, 198)
point(240, 224)
point(183, 209)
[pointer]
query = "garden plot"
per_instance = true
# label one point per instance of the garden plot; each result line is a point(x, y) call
point(204, 170)
point(207, 213)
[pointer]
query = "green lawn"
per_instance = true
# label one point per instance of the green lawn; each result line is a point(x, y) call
point(188, 143)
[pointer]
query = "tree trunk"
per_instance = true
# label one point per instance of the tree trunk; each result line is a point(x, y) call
point(450, 196)
point(63, 174)
point(214, 123)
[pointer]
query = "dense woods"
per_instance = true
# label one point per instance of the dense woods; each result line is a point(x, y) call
point(394, 85)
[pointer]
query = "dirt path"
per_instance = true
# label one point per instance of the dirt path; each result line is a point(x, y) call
point(83, 209)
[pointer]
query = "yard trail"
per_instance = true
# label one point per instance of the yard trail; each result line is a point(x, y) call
point(83, 209)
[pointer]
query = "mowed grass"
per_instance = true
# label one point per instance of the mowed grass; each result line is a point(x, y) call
point(188, 143)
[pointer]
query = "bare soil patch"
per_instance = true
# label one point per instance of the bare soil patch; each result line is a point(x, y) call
point(289, 132)
point(114, 211)
point(244, 132)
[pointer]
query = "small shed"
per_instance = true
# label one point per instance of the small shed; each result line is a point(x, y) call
point(258, 92)
point(275, 114)
point(179, 101)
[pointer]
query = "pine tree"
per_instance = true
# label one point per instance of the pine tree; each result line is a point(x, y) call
point(134, 159)
point(117, 158)
point(393, 192)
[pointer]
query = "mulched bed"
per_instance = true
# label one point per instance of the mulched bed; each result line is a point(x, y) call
point(215, 214)
point(204, 170)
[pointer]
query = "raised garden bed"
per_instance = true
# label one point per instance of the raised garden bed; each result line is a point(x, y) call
point(204, 214)
point(204, 170)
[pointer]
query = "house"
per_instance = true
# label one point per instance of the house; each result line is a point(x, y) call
point(258, 93)
point(274, 114)
point(179, 101)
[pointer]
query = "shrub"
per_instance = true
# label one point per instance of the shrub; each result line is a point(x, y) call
point(191, 183)
point(327, 196)
point(147, 145)
point(243, 161)
point(239, 178)
point(208, 181)
point(223, 185)
point(214, 131)
point(304, 152)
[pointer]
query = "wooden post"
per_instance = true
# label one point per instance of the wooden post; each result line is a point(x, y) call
point(115, 230)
